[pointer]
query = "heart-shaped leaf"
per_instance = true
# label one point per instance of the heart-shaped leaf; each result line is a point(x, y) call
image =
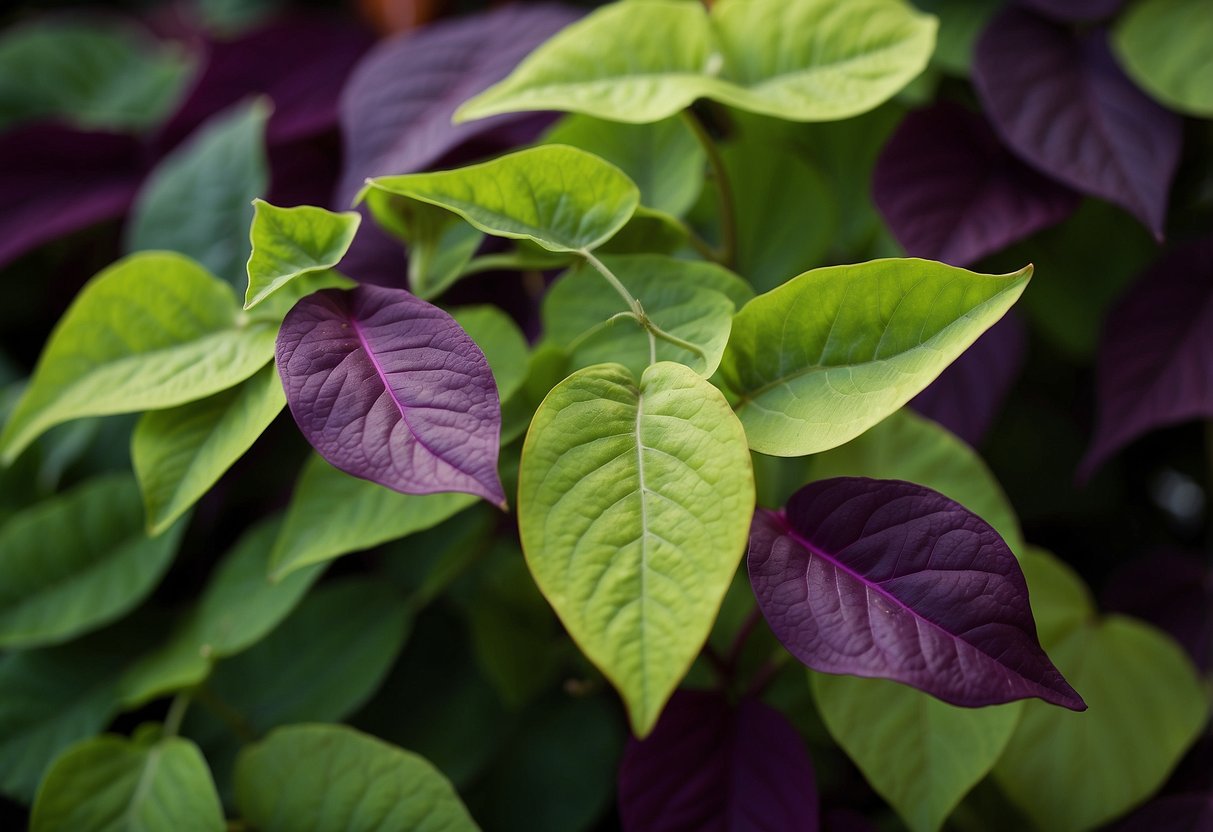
point(1163, 45)
point(710, 764)
point(1061, 103)
point(154, 330)
point(633, 500)
point(888, 579)
point(389, 388)
point(560, 197)
point(291, 242)
point(822, 358)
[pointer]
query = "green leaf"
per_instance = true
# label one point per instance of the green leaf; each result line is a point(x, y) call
point(663, 158)
point(198, 200)
point(830, 353)
point(694, 301)
point(94, 75)
point(547, 366)
point(152, 331)
point(634, 507)
point(501, 341)
point(330, 778)
point(1164, 46)
point(441, 245)
point(960, 24)
point(76, 562)
point(290, 242)
point(919, 754)
point(181, 452)
point(807, 60)
point(332, 514)
point(1146, 706)
point(648, 232)
point(560, 197)
point(112, 782)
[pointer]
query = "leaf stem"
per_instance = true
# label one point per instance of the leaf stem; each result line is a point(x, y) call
point(513, 261)
point(766, 674)
point(724, 190)
point(733, 657)
point(176, 713)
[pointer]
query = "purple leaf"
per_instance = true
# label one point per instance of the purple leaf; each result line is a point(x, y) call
point(389, 388)
point(56, 180)
point(714, 767)
point(968, 396)
point(1155, 365)
point(1174, 813)
point(1074, 10)
point(951, 192)
point(884, 578)
point(396, 109)
point(1172, 590)
point(1059, 100)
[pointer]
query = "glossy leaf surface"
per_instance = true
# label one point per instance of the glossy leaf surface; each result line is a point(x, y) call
point(291, 242)
point(634, 498)
point(883, 578)
point(855, 344)
point(390, 389)
point(1162, 44)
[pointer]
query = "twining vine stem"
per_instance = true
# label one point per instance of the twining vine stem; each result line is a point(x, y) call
point(724, 189)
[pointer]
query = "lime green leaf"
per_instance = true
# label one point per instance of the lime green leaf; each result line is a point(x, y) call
point(330, 778)
point(143, 785)
point(501, 341)
point(441, 245)
point(154, 330)
point(1146, 706)
point(634, 507)
point(93, 75)
point(830, 353)
point(274, 308)
point(1164, 46)
point(560, 197)
point(801, 60)
point(649, 231)
point(920, 754)
point(548, 366)
point(289, 242)
point(332, 514)
point(693, 301)
point(198, 200)
point(181, 452)
point(73, 563)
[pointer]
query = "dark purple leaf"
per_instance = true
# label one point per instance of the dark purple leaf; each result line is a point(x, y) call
point(968, 396)
point(389, 388)
point(1174, 813)
point(396, 109)
point(1058, 99)
point(889, 579)
point(1075, 10)
point(1172, 590)
point(951, 192)
point(710, 766)
point(55, 180)
point(1155, 365)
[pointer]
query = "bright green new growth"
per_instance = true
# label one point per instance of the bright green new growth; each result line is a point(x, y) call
point(1164, 46)
point(822, 358)
point(290, 242)
point(799, 60)
point(154, 330)
point(634, 504)
point(560, 197)
point(325, 777)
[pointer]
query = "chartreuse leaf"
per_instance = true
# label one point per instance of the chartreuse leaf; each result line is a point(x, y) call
point(440, 243)
point(501, 341)
point(198, 200)
point(154, 330)
point(694, 301)
point(801, 60)
point(822, 358)
point(146, 784)
point(1164, 46)
point(75, 562)
point(920, 754)
point(332, 778)
point(290, 242)
point(634, 503)
point(560, 197)
point(179, 453)
point(332, 514)
point(1146, 707)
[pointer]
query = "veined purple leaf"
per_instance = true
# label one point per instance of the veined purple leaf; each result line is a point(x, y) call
point(1075, 10)
point(1058, 99)
point(1172, 813)
point(1155, 365)
point(883, 578)
point(1173, 590)
point(951, 192)
point(57, 180)
point(389, 388)
point(968, 395)
point(396, 109)
point(715, 767)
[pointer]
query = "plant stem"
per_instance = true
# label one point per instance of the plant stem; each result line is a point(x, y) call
point(176, 713)
point(766, 674)
point(733, 657)
point(724, 189)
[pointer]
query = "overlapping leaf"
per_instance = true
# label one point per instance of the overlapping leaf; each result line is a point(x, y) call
point(290, 242)
point(1163, 46)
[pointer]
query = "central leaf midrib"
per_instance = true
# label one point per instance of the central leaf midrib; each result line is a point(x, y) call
point(644, 558)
